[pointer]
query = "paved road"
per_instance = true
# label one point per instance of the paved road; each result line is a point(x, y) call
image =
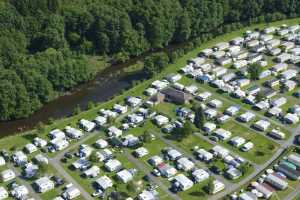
point(144, 169)
point(57, 165)
point(23, 182)
point(293, 195)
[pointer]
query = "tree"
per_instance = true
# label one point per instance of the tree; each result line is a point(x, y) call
point(147, 137)
point(94, 157)
point(244, 168)
point(90, 105)
point(210, 186)
point(260, 96)
point(41, 127)
point(43, 168)
point(77, 110)
point(199, 117)
point(254, 71)
point(187, 129)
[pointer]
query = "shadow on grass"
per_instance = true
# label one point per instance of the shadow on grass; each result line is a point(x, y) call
point(30, 136)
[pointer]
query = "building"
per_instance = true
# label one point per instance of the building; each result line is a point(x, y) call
point(113, 165)
point(59, 144)
point(247, 196)
point(39, 142)
point(87, 125)
point(56, 133)
point(173, 95)
point(101, 144)
point(148, 195)
point(43, 184)
point(204, 155)
point(92, 172)
point(19, 158)
point(141, 152)
point(182, 182)
point(161, 120)
point(7, 175)
point(114, 131)
point(71, 193)
point(134, 101)
point(104, 182)
point(277, 134)
point(276, 181)
point(222, 134)
point(200, 175)
point(41, 159)
point(246, 117)
point(263, 188)
point(262, 125)
point(209, 127)
point(185, 164)
point(247, 146)
point(73, 132)
point(166, 170)
point(155, 160)
point(30, 148)
point(291, 118)
point(30, 170)
point(218, 186)
point(220, 151)
point(173, 154)
point(233, 173)
point(125, 176)
point(237, 141)
point(20, 192)
point(203, 96)
point(3, 193)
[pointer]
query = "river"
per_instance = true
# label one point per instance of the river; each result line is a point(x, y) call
point(107, 84)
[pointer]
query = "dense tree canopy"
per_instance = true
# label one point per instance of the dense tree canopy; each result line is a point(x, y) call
point(44, 43)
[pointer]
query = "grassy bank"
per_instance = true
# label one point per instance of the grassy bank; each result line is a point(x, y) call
point(21, 139)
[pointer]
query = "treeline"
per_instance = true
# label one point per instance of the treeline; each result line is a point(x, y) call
point(44, 43)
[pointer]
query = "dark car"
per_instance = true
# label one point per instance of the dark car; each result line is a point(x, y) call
point(69, 155)
point(58, 181)
point(216, 170)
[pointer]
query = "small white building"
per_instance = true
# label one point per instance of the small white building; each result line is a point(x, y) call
point(262, 125)
point(161, 120)
point(155, 160)
point(92, 172)
point(19, 158)
point(101, 144)
point(232, 110)
point(20, 192)
point(125, 176)
point(71, 193)
point(222, 134)
point(148, 195)
point(3, 193)
point(215, 103)
point(134, 101)
point(183, 182)
point(141, 152)
point(39, 142)
point(200, 175)
point(87, 125)
point(56, 133)
point(114, 131)
point(237, 141)
point(203, 96)
point(7, 175)
point(43, 184)
point(100, 120)
point(73, 132)
point(104, 182)
point(247, 146)
point(277, 134)
point(2, 161)
point(59, 144)
point(204, 155)
point(120, 109)
point(209, 127)
point(291, 118)
point(185, 164)
point(173, 154)
point(30, 148)
point(218, 186)
point(40, 158)
point(113, 165)
point(220, 151)
point(247, 116)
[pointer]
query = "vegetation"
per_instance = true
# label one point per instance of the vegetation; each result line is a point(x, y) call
point(254, 71)
point(45, 45)
point(199, 117)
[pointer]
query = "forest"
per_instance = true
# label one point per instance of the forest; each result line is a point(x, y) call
point(46, 45)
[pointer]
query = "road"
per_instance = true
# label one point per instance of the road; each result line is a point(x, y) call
point(144, 169)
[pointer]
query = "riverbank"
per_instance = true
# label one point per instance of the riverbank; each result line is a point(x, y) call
point(21, 139)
